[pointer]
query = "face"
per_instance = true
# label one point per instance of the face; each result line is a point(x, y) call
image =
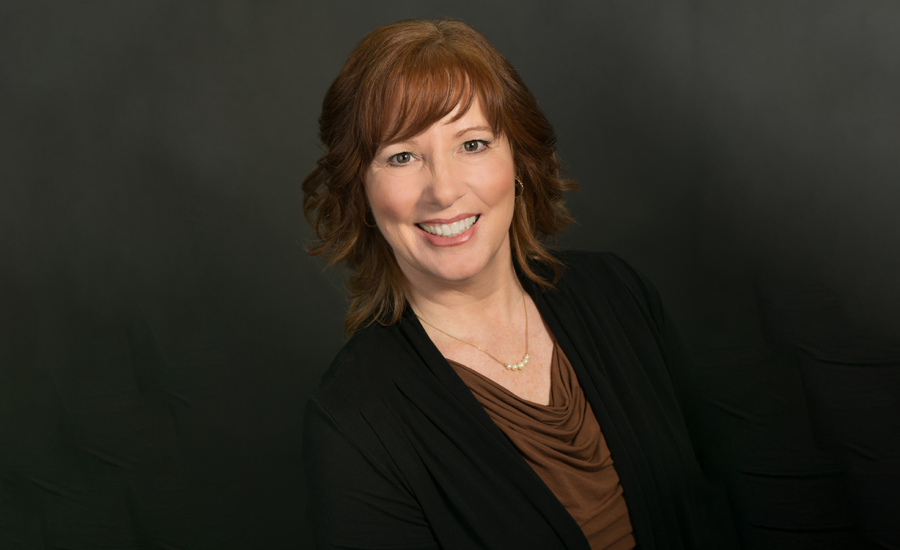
point(444, 199)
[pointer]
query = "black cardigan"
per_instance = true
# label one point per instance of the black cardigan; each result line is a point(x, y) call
point(399, 454)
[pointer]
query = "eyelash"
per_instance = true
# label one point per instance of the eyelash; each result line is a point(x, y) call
point(485, 143)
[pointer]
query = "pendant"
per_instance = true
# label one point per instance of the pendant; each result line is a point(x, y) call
point(518, 366)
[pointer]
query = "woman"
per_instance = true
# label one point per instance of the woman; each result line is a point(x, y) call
point(493, 394)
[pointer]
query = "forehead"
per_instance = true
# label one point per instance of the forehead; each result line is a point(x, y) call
point(416, 104)
point(461, 119)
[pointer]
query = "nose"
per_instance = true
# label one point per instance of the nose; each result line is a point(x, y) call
point(447, 185)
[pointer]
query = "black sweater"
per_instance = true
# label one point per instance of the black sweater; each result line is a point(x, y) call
point(399, 454)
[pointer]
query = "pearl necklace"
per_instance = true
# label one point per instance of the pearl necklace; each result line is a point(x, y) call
point(509, 366)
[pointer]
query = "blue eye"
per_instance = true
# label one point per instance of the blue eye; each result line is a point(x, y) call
point(401, 158)
point(475, 145)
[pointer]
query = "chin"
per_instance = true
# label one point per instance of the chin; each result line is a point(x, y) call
point(457, 273)
point(452, 269)
point(449, 266)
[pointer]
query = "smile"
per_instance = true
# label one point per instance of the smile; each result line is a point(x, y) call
point(449, 230)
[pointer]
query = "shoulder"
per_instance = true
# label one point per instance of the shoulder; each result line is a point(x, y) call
point(598, 285)
point(604, 263)
point(365, 365)
point(605, 273)
point(355, 402)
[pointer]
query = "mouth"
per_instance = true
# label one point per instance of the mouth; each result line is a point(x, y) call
point(449, 230)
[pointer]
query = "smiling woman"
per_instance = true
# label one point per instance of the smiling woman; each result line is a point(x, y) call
point(494, 394)
point(397, 83)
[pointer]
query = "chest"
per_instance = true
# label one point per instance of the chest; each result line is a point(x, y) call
point(532, 383)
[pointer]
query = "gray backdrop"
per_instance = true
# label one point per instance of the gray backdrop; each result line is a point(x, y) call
point(150, 161)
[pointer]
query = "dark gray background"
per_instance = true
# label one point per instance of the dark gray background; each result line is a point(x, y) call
point(150, 161)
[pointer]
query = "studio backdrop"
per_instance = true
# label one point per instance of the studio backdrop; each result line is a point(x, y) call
point(161, 325)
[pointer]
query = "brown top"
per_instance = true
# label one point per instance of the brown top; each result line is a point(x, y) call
point(562, 441)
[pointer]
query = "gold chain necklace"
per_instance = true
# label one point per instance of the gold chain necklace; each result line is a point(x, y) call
point(509, 366)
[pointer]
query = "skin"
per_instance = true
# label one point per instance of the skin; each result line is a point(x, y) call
point(466, 285)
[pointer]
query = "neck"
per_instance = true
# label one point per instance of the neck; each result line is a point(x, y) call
point(493, 296)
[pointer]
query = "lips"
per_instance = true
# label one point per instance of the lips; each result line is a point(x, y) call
point(449, 229)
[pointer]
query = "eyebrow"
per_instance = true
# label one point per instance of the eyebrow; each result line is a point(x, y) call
point(458, 134)
point(473, 129)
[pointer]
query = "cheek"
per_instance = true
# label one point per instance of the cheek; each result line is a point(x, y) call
point(389, 203)
point(497, 187)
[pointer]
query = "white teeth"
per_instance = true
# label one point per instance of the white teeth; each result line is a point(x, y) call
point(452, 230)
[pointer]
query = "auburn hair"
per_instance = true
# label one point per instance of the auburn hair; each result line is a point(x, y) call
point(398, 81)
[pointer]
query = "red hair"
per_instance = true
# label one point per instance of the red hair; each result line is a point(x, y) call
point(397, 82)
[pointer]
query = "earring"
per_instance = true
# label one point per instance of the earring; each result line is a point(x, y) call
point(520, 187)
point(366, 219)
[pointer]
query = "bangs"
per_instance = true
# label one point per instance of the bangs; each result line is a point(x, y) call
point(426, 86)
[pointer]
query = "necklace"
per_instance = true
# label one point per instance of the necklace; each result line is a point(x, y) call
point(509, 366)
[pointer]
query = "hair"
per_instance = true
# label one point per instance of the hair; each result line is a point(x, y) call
point(398, 81)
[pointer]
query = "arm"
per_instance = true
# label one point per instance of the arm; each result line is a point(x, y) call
point(680, 367)
point(353, 501)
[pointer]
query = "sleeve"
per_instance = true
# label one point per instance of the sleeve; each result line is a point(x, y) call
point(354, 503)
point(713, 526)
point(680, 366)
point(684, 375)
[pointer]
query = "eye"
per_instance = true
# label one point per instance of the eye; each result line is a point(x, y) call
point(474, 145)
point(401, 158)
